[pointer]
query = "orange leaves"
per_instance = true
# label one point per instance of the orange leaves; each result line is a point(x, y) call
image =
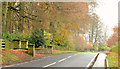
point(81, 36)
point(115, 29)
point(39, 55)
point(107, 53)
point(113, 38)
point(20, 53)
point(56, 50)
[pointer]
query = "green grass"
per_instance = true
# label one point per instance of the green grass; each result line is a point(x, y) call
point(69, 52)
point(56, 53)
point(113, 57)
point(115, 49)
point(60, 52)
point(112, 60)
point(8, 57)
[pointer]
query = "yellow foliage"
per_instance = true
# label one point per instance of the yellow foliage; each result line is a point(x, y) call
point(81, 36)
point(90, 44)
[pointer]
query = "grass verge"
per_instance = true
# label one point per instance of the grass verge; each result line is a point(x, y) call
point(112, 59)
point(61, 52)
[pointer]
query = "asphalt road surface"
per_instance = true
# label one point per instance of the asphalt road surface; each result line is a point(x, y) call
point(61, 60)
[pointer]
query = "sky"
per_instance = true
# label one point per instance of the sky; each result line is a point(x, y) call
point(107, 10)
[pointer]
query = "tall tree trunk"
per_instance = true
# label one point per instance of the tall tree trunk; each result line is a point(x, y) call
point(8, 21)
point(0, 23)
point(4, 16)
point(21, 23)
point(11, 20)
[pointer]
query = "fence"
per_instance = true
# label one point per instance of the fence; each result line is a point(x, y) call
point(18, 44)
point(43, 51)
point(5, 44)
point(2, 42)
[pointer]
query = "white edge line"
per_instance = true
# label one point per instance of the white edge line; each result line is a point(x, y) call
point(107, 62)
point(91, 61)
point(49, 65)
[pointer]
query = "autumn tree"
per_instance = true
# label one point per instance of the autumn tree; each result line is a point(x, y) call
point(113, 38)
point(64, 21)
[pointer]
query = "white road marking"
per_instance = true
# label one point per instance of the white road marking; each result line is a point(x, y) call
point(44, 57)
point(62, 60)
point(69, 56)
point(49, 65)
point(75, 54)
point(25, 62)
point(58, 61)
point(78, 53)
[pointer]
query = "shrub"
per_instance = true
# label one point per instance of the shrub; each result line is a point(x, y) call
point(67, 46)
point(115, 47)
point(13, 36)
point(59, 39)
point(37, 37)
point(48, 38)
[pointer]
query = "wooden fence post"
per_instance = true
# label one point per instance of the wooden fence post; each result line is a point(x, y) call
point(31, 50)
point(50, 48)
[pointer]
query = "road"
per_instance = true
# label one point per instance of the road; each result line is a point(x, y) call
point(61, 60)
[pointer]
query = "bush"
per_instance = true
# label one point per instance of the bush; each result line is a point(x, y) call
point(68, 46)
point(37, 37)
point(59, 39)
point(13, 36)
point(102, 47)
point(48, 38)
point(115, 47)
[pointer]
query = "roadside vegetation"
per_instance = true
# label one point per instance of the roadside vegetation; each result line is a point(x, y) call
point(67, 27)
point(61, 52)
point(112, 59)
point(10, 57)
point(56, 24)
point(114, 46)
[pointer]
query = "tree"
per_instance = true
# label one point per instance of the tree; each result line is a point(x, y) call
point(113, 38)
point(37, 37)
point(102, 47)
point(62, 20)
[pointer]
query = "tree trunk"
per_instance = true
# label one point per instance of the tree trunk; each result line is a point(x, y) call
point(21, 23)
point(4, 16)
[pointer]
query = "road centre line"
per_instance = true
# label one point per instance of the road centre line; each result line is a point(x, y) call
point(75, 54)
point(69, 56)
point(62, 60)
point(40, 59)
point(49, 64)
point(56, 62)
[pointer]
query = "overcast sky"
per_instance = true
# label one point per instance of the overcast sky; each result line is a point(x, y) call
point(107, 10)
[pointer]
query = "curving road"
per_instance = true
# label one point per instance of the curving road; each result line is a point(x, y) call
point(58, 61)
